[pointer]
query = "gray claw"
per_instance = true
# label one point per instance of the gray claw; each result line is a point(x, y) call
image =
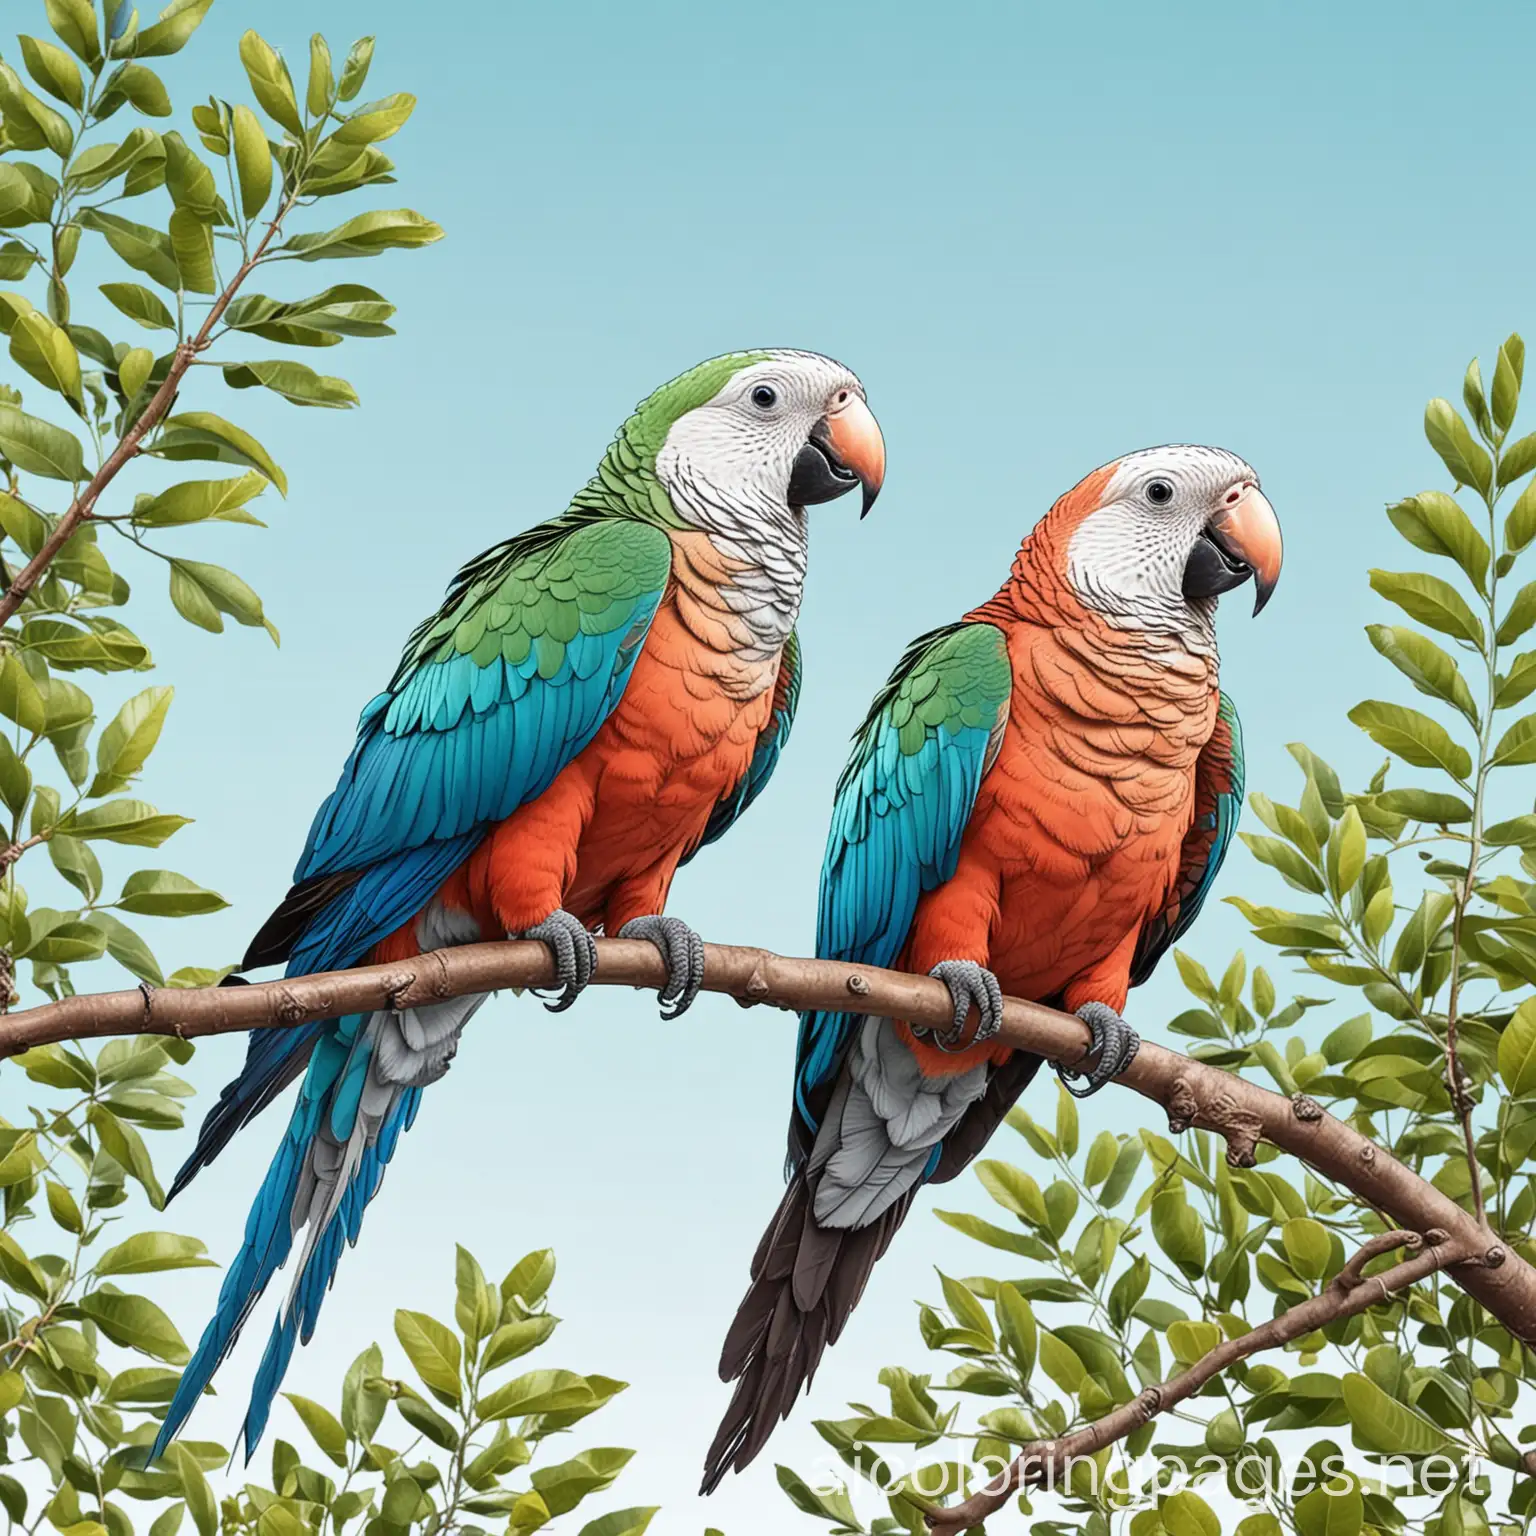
point(682, 950)
point(575, 955)
point(1115, 1043)
point(969, 985)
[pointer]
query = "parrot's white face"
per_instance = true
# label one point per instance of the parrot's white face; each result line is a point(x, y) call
point(783, 433)
point(1174, 527)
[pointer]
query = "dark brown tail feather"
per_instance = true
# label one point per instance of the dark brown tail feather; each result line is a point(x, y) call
point(806, 1281)
point(275, 940)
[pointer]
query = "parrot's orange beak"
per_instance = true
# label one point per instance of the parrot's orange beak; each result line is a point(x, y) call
point(845, 449)
point(1241, 540)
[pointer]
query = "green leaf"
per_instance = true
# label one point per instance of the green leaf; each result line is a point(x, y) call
point(1346, 852)
point(1307, 1246)
point(346, 309)
point(29, 122)
point(146, 250)
point(293, 381)
point(147, 1253)
point(125, 744)
point(1517, 1051)
point(201, 592)
point(476, 1305)
point(1430, 601)
point(1518, 831)
point(376, 121)
point(253, 162)
point(367, 235)
point(1520, 525)
point(1412, 736)
point(1016, 1323)
point(1014, 1190)
point(74, 23)
point(1506, 382)
point(324, 1427)
point(1186, 1514)
point(1425, 805)
point(188, 179)
point(192, 248)
point(141, 88)
point(270, 82)
point(530, 1278)
point(322, 82)
point(1517, 745)
point(202, 435)
point(195, 501)
point(362, 1405)
point(1387, 1427)
point(135, 1322)
point(433, 1349)
point(1435, 523)
point(162, 893)
point(1431, 670)
point(355, 71)
point(54, 70)
point(1450, 437)
point(1521, 615)
point(126, 1147)
point(123, 821)
point(621, 1522)
point(67, 944)
point(517, 1338)
point(64, 1210)
point(1324, 1512)
point(1520, 682)
point(536, 1392)
point(20, 699)
point(195, 1489)
point(178, 21)
point(134, 370)
point(1059, 1361)
point(37, 447)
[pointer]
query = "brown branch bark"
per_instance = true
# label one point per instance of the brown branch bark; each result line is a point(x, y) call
point(1191, 1093)
point(128, 445)
point(1348, 1293)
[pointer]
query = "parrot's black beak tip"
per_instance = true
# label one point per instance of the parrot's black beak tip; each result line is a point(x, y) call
point(870, 493)
point(818, 477)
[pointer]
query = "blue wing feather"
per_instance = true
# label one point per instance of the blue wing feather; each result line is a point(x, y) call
point(456, 743)
point(900, 812)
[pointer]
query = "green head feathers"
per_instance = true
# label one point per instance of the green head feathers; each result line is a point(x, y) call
point(646, 430)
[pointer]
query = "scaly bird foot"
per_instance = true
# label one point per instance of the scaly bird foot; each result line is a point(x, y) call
point(1115, 1043)
point(970, 985)
point(574, 951)
point(682, 950)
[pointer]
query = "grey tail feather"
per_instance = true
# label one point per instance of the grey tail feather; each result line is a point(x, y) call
point(806, 1281)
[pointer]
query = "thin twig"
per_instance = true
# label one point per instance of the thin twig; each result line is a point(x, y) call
point(1042, 1462)
point(128, 445)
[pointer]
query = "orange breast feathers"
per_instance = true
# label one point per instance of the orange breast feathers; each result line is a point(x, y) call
point(605, 839)
point(1078, 826)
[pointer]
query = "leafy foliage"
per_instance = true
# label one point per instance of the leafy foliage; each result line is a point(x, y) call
point(80, 403)
point(1417, 914)
point(87, 1362)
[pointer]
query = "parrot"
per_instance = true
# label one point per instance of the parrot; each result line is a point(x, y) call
point(596, 699)
point(1038, 800)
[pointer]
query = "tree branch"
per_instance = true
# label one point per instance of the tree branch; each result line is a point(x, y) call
point(1190, 1092)
point(128, 445)
point(1348, 1293)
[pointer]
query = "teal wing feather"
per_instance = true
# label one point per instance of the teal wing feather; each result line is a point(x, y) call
point(1219, 775)
point(902, 805)
point(770, 747)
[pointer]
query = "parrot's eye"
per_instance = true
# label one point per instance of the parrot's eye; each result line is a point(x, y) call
point(765, 397)
point(1159, 493)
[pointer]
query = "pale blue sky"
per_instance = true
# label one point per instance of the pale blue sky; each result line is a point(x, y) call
point(1043, 235)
